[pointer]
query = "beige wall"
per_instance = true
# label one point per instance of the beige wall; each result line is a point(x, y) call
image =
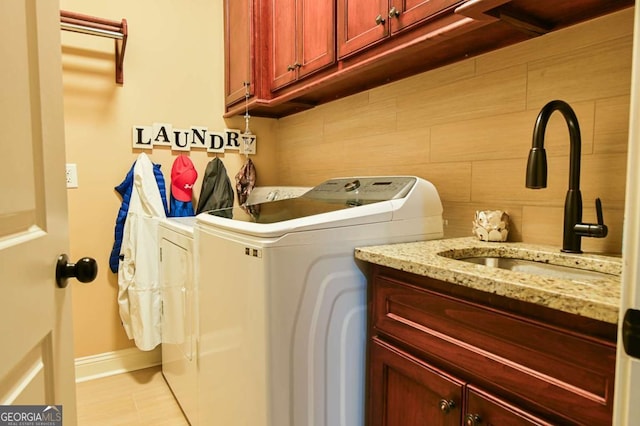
point(468, 129)
point(173, 72)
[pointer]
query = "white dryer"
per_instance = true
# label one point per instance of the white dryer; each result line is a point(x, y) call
point(179, 312)
point(283, 300)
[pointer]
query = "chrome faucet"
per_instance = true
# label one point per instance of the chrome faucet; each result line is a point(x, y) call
point(574, 229)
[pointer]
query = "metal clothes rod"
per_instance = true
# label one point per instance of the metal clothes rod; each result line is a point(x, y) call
point(85, 24)
point(91, 31)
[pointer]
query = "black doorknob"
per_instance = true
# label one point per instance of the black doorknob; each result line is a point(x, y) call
point(85, 270)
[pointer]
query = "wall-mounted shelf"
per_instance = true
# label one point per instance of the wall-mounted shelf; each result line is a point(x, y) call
point(85, 24)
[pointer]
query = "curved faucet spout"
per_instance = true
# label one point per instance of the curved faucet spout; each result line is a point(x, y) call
point(574, 229)
point(574, 138)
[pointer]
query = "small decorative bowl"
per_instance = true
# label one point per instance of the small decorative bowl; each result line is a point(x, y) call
point(491, 225)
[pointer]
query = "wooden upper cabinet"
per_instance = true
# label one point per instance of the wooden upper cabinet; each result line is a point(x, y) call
point(297, 54)
point(363, 23)
point(302, 39)
point(238, 49)
point(283, 42)
point(316, 32)
point(404, 13)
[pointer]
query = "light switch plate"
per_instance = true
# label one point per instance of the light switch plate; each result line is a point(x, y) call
point(72, 175)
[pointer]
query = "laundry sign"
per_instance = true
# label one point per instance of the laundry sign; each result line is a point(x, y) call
point(195, 137)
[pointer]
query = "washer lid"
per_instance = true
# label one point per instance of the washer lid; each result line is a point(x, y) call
point(331, 195)
point(282, 211)
point(334, 203)
point(278, 218)
point(363, 190)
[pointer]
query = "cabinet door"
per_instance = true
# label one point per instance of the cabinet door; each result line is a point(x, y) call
point(357, 24)
point(238, 23)
point(404, 391)
point(407, 12)
point(484, 409)
point(302, 37)
point(283, 42)
point(516, 353)
point(316, 32)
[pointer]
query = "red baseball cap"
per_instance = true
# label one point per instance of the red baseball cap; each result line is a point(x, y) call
point(183, 176)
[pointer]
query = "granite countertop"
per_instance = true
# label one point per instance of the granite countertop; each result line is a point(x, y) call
point(598, 299)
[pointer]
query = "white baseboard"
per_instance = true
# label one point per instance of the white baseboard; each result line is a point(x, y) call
point(110, 363)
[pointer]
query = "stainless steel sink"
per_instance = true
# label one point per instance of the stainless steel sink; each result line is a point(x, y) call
point(539, 268)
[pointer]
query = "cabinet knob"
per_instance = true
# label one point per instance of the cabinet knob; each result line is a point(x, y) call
point(393, 12)
point(472, 420)
point(380, 20)
point(293, 67)
point(446, 405)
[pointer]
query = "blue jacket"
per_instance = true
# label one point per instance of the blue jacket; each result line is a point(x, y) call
point(179, 208)
point(124, 189)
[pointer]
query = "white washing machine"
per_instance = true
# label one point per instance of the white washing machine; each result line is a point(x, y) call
point(283, 300)
point(179, 312)
point(180, 301)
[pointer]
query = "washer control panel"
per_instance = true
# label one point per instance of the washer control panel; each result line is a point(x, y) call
point(265, 194)
point(363, 188)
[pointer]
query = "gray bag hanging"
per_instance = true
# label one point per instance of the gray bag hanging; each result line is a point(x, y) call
point(217, 191)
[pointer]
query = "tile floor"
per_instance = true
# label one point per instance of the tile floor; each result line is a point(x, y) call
point(138, 398)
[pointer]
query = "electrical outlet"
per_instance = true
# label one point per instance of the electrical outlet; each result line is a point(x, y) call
point(72, 175)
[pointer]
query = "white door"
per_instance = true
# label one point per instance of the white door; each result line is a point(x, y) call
point(627, 392)
point(36, 345)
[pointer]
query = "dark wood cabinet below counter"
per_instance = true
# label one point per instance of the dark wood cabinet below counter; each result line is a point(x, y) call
point(443, 354)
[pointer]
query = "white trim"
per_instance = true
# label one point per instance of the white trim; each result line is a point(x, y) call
point(116, 362)
point(627, 391)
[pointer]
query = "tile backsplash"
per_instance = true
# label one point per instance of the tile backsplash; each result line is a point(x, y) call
point(468, 127)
